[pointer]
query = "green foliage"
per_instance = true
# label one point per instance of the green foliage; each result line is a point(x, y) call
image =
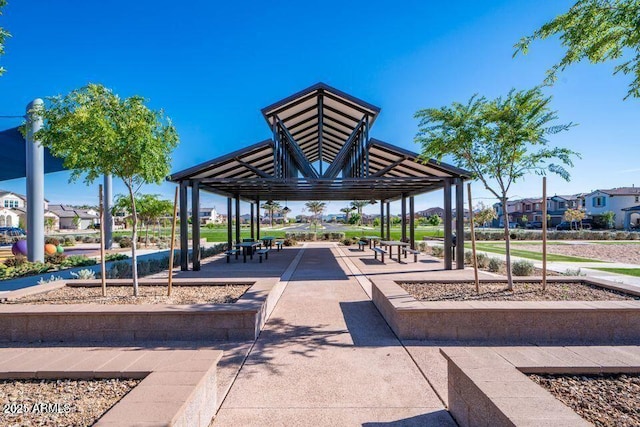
point(495, 265)
point(355, 218)
point(3, 34)
point(125, 242)
point(84, 274)
point(289, 242)
point(316, 207)
point(376, 222)
point(598, 31)
point(347, 242)
point(78, 261)
point(15, 261)
point(271, 207)
point(485, 215)
point(55, 259)
point(434, 220)
point(115, 257)
point(483, 260)
point(522, 268)
point(396, 220)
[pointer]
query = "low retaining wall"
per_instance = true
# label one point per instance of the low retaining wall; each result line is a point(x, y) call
point(593, 322)
point(136, 323)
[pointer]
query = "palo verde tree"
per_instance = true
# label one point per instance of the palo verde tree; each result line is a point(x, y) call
point(574, 216)
point(484, 215)
point(98, 133)
point(598, 31)
point(3, 34)
point(498, 141)
point(150, 209)
point(434, 220)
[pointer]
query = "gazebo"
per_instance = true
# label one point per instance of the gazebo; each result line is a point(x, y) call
point(320, 149)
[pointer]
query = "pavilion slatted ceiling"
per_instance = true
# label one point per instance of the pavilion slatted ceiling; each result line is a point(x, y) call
point(321, 121)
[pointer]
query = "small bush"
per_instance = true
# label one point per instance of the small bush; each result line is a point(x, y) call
point(78, 238)
point(84, 274)
point(117, 238)
point(69, 241)
point(289, 242)
point(125, 242)
point(78, 261)
point(43, 281)
point(468, 257)
point(56, 259)
point(88, 239)
point(495, 265)
point(483, 260)
point(347, 242)
point(573, 272)
point(51, 241)
point(437, 251)
point(522, 268)
point(422, 246)
point(115, 257)
point(16, 261)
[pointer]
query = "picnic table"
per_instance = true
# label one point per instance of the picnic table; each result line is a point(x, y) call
point(372, 239)
point(391, 244)
point(247, 249)
point(267, 241)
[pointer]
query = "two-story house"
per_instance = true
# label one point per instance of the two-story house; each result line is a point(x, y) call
point(615, 200)
point(13, 211)
point(557, 206)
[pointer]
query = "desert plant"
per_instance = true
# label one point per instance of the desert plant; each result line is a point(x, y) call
point(347, 242)
point(52, 241)
point(495, 265)
point(437, 251)
point(483, 260)
point(78, 261)
point(43, 281)
point(125, 242)
point(289, 242)
point(573, 272)
point(16, 261)
point(522, 268)
point(115, 257)
point(84, 274)
point(56, 259)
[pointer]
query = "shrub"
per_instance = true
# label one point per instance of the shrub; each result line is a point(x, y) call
point(56, 259)
point(42, 280)
point(51, 241)
point(69, 241)
point(125, 242)
point(16, 261)
point(522, 268)
point(88, 239)
point(495, 265)
point(84, 274)
point(117, 238)
point(78, 261)
point(468, 257)
point(289, 242)
point(78, 238)
point(483, 260)
point(573, 272)
point(422, 246)
point(347, 242)
point(437, 251)
point(115, 257)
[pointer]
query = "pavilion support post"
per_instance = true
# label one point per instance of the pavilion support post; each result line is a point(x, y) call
point(184, 227)
point(412, 223)
point(448, 238)
point(108, 217)
point(237, 218)
point(388, 220)
point(459, 224)
point(35, 184)
point(403, 222)
point(258, 218)
point(229, 229)
point(253, 222)
point(195, 225)
point(382, 219)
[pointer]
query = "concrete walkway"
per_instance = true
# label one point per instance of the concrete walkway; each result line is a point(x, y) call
point(327, 357)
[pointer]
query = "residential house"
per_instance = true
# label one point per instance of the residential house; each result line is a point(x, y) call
point(430, 212)
point(71, 218)
point(13, 211)
point(615, 200)
point(209, 216)
point(558, 205)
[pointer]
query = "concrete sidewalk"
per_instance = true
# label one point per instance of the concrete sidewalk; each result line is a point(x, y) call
point(327, 357)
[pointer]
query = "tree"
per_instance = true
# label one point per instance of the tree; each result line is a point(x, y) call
point(574, 215)
point(271, 207)
point(359, 204)
point(609, 218)
point(484, 215)
point(498, 141)
point(355, 219)
point(49, 223)
point(98, 133)
point(3, 34)
point(149, 206)
point(77, 221)
point(347, 211)
point(598, 31)
point(316, 208)
point(434, 220)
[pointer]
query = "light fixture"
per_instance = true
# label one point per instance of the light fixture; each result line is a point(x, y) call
point(373, 201)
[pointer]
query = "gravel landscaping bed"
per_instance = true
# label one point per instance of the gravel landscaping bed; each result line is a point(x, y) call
point(604, 400)
point(465, 291)
point(604, 252)
point(205, 294)
point(59, 402)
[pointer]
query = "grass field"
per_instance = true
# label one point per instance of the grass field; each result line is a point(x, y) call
point(627, 271)
point(498, 248)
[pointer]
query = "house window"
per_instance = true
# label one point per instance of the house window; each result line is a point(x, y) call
point(561, 205)
point(527, 207)
point(599, 202)
point(637, 199)
point(11, 203)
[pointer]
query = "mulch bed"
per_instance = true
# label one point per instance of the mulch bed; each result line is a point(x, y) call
point(215, 294)
point(604, 400)
point(59, 402)
point(465, 291)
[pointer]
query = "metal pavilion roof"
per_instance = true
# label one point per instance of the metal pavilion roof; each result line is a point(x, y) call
point(320, 122)
point(13, 156)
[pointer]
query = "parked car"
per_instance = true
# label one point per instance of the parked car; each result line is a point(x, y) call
point(574, 225)
point(532, 225)
point(9, 235)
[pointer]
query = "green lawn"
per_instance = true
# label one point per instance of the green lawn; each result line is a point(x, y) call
point(626, 271)
point(499, 249)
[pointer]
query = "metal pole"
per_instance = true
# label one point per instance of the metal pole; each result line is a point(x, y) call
point(184, 227)
point(173, 241)
point(195, 225)
point(253, 220)
point(381, 219)
point(448, 238)
point(459, 224)
point(229, 228)
point(103, 268)
point(35, 184)
point(403, 222)
point(258, 218)
point(544, 233)
point(388, 220)
point(238, 218)
point(412, 223)
point(473, 241)
point(108, 217)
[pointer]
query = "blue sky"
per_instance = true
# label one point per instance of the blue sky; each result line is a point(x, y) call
point(212, 65)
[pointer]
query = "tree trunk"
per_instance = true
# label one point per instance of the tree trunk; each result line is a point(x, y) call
point(507, 243)
point(134, 242)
